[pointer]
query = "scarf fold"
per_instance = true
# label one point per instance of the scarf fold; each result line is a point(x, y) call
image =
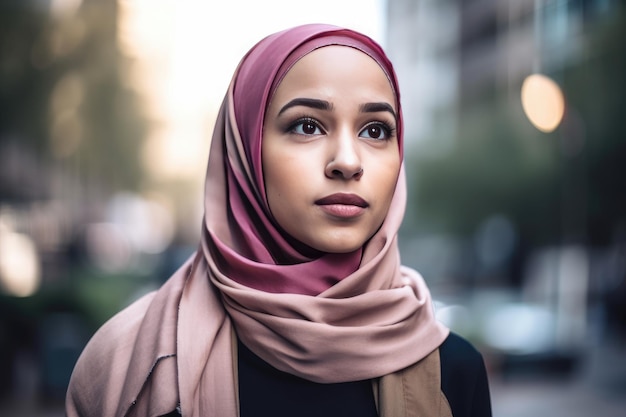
point(324, 317)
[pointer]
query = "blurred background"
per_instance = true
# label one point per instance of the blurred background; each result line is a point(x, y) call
point(516, 148)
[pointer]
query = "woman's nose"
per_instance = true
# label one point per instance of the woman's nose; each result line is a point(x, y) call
point(345, 160)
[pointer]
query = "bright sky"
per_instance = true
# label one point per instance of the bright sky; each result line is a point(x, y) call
point(186, 51)
point(212, 36)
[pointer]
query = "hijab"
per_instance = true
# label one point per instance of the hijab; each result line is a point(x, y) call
point(279, 297)
point(253, 250)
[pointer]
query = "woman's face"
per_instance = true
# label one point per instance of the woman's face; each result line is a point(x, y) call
point(330, 152)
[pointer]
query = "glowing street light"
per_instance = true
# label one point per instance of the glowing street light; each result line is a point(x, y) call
point(543, 102)
point(20, 274)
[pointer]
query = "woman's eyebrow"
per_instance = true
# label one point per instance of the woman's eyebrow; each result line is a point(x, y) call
point(308, 102)
point(376, 107)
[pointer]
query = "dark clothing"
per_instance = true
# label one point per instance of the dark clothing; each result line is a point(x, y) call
point(265, 391)
point(464, 378)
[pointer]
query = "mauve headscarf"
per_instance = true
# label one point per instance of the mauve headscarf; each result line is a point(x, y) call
point(242, 238)
point(324, 317)
point(373, 316)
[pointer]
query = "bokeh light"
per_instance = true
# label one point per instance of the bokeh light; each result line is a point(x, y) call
point(543, 102)
point(20, 273)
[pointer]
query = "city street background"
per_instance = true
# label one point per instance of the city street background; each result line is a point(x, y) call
point(515, 157)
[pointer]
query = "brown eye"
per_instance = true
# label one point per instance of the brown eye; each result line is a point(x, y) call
point(306, 127)
point(376, 131)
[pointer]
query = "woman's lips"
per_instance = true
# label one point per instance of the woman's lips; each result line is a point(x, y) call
point(343, 205)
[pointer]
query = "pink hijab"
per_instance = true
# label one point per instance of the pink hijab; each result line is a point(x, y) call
point(253, 250)
point(281, 298)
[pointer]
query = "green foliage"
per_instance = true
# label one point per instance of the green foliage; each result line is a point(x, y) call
point(62, 94)
point(596, 88)
point(496, 166)
point(500, 164)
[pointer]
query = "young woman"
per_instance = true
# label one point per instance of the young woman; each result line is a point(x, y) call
point(295, 303)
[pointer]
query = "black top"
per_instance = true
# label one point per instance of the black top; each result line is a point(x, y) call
point(464, 378)
point(265, 391)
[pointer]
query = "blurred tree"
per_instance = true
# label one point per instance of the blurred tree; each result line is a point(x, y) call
point(568, 184)
point(70, 135)
point(63, 103)
point(499, 164)
point(596, 89)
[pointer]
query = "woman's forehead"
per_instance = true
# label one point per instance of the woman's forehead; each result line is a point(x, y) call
point(337, 69)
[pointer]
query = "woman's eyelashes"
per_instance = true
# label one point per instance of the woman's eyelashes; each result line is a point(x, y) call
point(378, 131)
point(308, 126)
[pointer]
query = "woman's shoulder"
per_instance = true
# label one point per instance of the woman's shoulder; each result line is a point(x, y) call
point(121, 355)
point(122, 326)
point(142, 318)
point(464, 378)
point(103, 360)
point(458, 353)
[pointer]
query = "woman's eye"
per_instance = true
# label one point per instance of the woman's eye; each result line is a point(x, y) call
point(306, 127)
point(376, 131)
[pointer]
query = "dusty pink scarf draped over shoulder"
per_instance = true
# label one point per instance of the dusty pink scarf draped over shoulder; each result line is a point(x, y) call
point(324, 317)
point(373, 316)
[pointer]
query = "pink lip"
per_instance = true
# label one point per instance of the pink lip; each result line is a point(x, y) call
point(344, 199)
point(342, 205)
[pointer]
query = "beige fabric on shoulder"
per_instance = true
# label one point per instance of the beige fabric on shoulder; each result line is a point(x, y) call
point(413, 392)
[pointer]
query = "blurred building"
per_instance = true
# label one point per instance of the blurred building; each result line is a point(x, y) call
point(450, 55)
point(520, 232)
